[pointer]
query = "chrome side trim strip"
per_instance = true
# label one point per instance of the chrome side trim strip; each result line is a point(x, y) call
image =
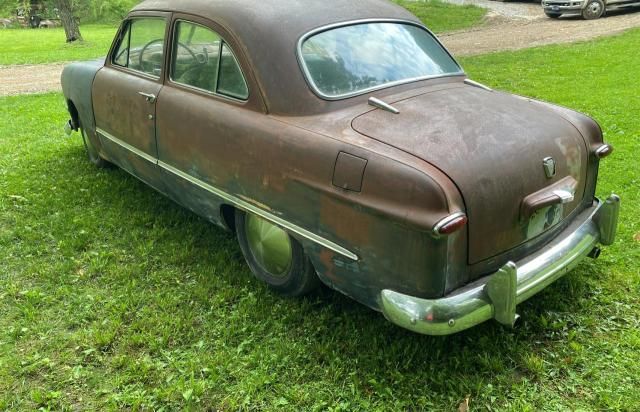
point(248, 207)
point(242, 204)
point(127, 146)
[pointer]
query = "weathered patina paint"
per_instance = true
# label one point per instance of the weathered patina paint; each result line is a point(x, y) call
point(453, 147)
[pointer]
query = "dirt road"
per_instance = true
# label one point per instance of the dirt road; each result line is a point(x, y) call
point(516, 9)
point(29, 79)
point(522, 33)
point(510, 26)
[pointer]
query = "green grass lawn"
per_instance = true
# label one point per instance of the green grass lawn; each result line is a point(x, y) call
point(113, 297)
point(442, 17)
point(28, 46)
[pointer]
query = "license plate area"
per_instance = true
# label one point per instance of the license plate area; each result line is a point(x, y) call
point(544, 219)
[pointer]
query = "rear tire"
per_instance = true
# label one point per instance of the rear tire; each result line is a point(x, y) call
point(593, 10)
point(92, 152)
point(274, 256)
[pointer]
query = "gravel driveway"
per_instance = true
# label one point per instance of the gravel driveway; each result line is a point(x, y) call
point(29, 79)
point(509, 26)
point(519, 33)
point(508, 10)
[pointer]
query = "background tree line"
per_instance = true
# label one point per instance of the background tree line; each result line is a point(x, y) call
point(69, 12)
point(89, 11)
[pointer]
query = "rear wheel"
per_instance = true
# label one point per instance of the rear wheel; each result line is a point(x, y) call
point(594, 10)
point(92, 151)
point(275, 257)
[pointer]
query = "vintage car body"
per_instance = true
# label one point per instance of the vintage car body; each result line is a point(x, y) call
point(435, 200)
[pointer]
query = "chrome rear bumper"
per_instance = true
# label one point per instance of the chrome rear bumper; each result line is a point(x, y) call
point(496, 296)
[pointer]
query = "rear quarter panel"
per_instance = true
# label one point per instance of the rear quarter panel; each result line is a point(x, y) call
point(287, 170)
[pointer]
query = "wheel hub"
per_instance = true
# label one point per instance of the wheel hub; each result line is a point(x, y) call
point(594, 9)
point(270, 245)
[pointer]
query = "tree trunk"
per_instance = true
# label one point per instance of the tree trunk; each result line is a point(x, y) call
point(69, 21)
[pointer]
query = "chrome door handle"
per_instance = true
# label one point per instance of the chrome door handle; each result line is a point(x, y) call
point(151, 98)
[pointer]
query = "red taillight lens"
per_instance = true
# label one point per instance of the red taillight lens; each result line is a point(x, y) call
point(450, 224)
point(604, 151)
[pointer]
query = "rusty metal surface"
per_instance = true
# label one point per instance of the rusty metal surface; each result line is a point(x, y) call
point(496, 295)
point(492, 145)
point(268, 32)
point(367, 224)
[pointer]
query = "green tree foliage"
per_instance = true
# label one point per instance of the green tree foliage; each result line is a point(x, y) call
point(104, 10)
point(86, 10)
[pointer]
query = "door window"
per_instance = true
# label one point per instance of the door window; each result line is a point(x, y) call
point(142, 46)
point(202, 60)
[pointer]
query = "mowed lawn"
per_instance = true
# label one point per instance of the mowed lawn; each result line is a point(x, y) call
point(441, 17)
point(29, 46)
point(35, 46)
point(113, 297)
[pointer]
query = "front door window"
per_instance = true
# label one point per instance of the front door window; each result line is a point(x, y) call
point(141, 47)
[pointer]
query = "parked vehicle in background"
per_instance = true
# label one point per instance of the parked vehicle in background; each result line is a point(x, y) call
point(588, 9)
point(37, 14)
point(48, 24)
point(346, 146)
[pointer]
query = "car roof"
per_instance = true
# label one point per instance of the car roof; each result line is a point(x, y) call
point(269, 32)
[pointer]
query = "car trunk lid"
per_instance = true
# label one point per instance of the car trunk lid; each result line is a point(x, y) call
point(499, 150)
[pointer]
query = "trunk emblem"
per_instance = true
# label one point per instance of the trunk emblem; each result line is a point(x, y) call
point(549, 167)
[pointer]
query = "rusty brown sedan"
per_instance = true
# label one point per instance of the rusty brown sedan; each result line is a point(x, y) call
point(344, 145)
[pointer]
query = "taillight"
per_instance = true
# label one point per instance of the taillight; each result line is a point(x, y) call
point(603, 151)
point(450, 224)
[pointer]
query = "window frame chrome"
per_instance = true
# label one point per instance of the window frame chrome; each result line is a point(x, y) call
point(126, 25)
point(174, 39)
point(320, 94)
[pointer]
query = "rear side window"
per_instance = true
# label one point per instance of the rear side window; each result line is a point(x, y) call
point(142, 46)
point(202, 60)
point(231, 81)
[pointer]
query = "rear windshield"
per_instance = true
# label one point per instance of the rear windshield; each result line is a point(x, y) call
point(351, 60)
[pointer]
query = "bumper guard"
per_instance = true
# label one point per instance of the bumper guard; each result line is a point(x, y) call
point(496, 296)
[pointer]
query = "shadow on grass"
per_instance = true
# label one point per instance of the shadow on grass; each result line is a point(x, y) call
point(546, 316)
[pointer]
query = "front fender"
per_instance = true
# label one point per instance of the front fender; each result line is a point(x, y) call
point(77, 83)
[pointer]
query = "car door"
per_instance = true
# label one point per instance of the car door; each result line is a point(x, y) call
point(125, 93)
point(204, 116)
